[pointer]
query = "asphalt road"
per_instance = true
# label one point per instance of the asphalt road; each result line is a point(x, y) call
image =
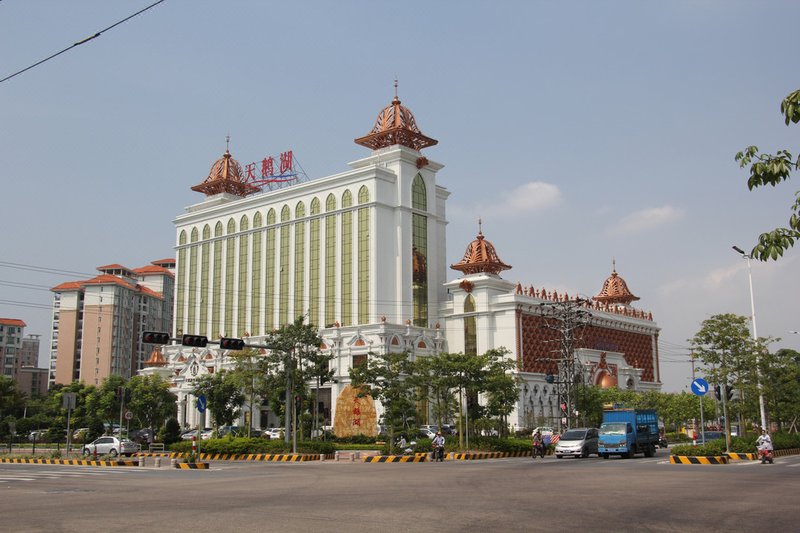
point(514, 494)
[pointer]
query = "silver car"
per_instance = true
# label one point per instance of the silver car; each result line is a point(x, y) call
point(110, 446)
point(579, 442)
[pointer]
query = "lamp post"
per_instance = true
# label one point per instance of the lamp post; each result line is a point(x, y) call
point(761, 407)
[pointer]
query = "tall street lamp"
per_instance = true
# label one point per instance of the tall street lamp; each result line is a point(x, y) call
point(761, 407)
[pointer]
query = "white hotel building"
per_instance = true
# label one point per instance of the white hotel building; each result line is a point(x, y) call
point(362, 254)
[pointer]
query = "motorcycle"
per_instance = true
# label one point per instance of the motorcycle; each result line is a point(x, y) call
point(438, 454)
point(538, 449)
point(765, 454)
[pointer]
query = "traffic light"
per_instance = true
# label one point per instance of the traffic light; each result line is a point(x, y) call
point(198, 341)
point(729, 390)
point(717, 392)
point(155, 337)
point(550, 378)
point(231, 344)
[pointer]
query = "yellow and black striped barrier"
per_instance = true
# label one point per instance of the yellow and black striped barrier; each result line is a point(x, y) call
point(192, 466)
point(470, 456)
point(76, 462)
point(281, 457)
point(698, 459)
point(416, 458)
point(732, 456)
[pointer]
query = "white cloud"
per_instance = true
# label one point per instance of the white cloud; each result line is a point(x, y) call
point(647, 219)
point(719, 276)
point(529, 198)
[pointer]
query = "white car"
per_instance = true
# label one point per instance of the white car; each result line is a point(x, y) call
point(273, 433)
point(110, 446)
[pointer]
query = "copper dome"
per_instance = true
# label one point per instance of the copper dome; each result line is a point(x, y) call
point(615, 291)
point(480, 257)
point(395, 125)
point(226, 176)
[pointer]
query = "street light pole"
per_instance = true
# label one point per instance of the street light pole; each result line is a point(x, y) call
point(761, 406)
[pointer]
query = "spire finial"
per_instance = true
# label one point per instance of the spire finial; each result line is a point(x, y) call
point(395, 86)
point(228, 143)
point(480, 226)
point(613, 264)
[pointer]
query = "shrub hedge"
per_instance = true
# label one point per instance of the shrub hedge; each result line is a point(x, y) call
point(244, 445)
point(744, 444)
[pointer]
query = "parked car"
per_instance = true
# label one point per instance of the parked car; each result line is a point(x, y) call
point(142, 436)
point(36, 435)
point(449, 429)
point(112, 446)
point(273, 433)
point(578, 442)
point(206, 434)
point(187, 435)
point(426, 432)
point(79, 433)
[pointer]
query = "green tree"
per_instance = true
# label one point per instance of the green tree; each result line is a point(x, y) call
point(727, 353)
point(290, 363)
point(501, 388)
point(385, 377)
point(781, 373)
point(103, 404)
point(12, 400)
point(433, 382)
point(151, 402)
point(771, 170)
point(224, 396)
point(248, 374)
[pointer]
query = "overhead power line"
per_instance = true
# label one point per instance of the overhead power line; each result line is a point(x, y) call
point(82, 41)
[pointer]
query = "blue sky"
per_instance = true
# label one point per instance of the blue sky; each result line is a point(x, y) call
point(580, 132)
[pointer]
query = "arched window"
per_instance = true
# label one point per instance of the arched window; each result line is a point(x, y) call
point(470, 327)
point(363, 257)
point(269, 275)
point(347, 260)
point(419, 252)
point(241, 322)
point(255, 278)
point(230, 288)
point(216, 286)
point(299, 259)
point(181, 281)
point(330, 261)
point(205, 252)
point(191, 309)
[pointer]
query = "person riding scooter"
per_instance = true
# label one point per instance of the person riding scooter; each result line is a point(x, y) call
point(764, 444)
point(438, 447)
point(537, 445)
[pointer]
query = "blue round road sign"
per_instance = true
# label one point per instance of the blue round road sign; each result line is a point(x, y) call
point(201, 403)
point(700, 386)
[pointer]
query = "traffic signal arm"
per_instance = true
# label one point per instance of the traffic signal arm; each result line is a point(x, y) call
point(155, 337)
point(231, 344)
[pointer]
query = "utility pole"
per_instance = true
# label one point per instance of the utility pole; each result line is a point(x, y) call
point(569, 318)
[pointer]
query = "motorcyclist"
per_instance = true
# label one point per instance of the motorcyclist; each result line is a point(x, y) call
point(538, 444)
point(438, 447)
point(764, 441)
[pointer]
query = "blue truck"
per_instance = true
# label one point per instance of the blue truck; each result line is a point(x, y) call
point(626, 432)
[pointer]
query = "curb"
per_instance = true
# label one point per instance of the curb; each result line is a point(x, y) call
point(487, 455)
point(242, 457)
point(416, 458)
point(732, 456)
point(698, 460)
point(192, 466)
point(75, 462)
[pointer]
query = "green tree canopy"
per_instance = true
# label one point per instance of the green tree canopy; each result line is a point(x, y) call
point(771, 170)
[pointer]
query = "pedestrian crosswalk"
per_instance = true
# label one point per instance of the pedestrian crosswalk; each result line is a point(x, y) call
point(12, 473)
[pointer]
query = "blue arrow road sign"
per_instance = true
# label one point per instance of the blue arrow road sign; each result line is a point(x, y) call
point(201, 403)
point(700, 386)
